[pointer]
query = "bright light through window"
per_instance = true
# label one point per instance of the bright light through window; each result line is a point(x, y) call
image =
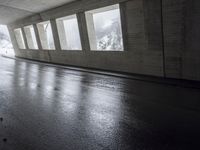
point(46, 36)
point(20, 38)
point(104, 28)
point(30, 36)
point(6, 47)
point(69, 33)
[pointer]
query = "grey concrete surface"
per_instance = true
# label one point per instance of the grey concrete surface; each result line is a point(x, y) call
point(161, 38)
point(141, 55)
point(50, 108)
point(12, 10)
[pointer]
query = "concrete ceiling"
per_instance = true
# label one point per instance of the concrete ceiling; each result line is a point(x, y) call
point(11, 10)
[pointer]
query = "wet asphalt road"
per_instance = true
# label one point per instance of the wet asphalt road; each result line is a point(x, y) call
point(51, 108)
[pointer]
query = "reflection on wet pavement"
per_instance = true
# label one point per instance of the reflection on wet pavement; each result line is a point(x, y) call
point(49, 108)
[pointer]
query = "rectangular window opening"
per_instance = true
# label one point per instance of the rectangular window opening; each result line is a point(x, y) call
point(104, 29)
point(46, 35)
point(68, 31)
point(20, 38)
point(30, 36)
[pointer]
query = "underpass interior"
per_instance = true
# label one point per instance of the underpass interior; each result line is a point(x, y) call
point(92, 75)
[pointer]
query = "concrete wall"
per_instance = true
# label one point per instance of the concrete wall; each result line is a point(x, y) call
point(181, 21)
point(160, 37)
point(191, 53)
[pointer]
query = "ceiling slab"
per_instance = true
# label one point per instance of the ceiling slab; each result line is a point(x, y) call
point(8, 14)
point(12, 10)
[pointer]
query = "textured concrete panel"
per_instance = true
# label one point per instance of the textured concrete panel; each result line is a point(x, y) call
point(12, 14)
point(173, 25)
point(142, 56)
point(191, 55)
point(12, 10)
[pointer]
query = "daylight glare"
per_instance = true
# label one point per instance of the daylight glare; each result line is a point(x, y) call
point(6, 47)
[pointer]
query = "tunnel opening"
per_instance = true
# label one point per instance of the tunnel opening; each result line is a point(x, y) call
point(6, 47)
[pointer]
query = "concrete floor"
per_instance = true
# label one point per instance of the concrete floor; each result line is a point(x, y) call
point(50, 108)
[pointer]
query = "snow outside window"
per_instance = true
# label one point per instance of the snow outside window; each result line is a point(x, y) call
point(104, 29)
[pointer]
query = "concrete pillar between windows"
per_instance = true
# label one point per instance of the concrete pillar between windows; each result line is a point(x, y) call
point(25, 40)
point(55, 34)
point(43, 36)
point(18, 37)
point(37, 37)
point(91, 31)
point(83, 31)
point(29, 38)
point(62, 35)
point(13, 40)
point(124, 25)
